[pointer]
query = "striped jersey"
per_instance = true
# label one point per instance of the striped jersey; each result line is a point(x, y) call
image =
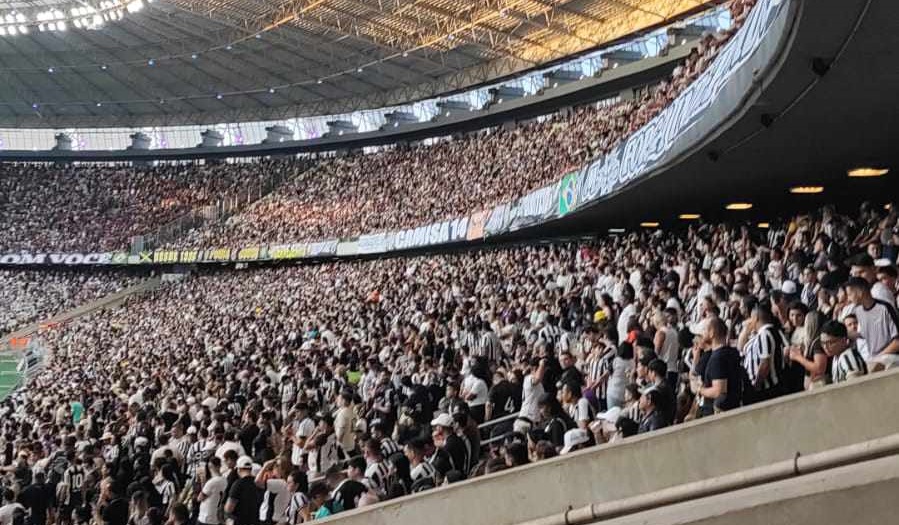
point(848, 365)
point(767, 344)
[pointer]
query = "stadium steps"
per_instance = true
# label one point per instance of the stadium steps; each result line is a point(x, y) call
point(737, 441)
point(111, 300)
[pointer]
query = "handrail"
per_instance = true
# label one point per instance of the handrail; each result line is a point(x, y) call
point(798, 466)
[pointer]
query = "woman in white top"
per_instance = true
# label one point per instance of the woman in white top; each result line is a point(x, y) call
point(667, 343)
point(622, 369)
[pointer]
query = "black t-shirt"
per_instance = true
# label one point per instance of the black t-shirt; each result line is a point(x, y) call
point(348, 493)
point(505, 398)
point(37, 498)
point(458, 452)
point(116, 513)
point(724, 363)
point(248, 498)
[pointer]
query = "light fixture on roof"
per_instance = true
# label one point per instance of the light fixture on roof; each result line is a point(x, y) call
point(228, 47)
point(868, 172)
point(34, 105)
point(649, 224)
point(617, 230)
point(194, 56)
point(104, 67)
point(219, 96)
point(739, 206)
point(271, 90)
point(764, 225)
point(99, 104)
point(258, 36)
point(405, 54)
point(806, 190)
point(151, 62)
point(50, 70)
point(689, 216)
point(319, 81)
point(359, 70)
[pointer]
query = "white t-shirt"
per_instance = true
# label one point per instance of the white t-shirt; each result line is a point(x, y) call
point(214, 489)
point(8, 511)
point(477, 387)
point(275, 501)
point(580, 411)
point(624, 319)
point(878, 326)
point(531, 392)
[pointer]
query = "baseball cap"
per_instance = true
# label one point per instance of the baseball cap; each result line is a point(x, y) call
point(245, 462)
point(599, 316)
point(611, 415)
point(443, 420)
point(573, 438)
point(788, 287)
point(191, 429)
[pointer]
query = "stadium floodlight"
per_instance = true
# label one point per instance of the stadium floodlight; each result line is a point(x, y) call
point(806, 190)
point(868, 172)
point(649, 224)
point(617, 230)
point(739, 206)
point(764, 225)
point(689, 216)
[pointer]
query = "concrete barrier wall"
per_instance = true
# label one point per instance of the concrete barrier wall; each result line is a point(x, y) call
point(860, 494)
point(750, 437)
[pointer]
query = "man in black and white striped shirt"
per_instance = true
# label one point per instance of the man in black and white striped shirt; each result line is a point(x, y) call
point(847, 360)
point(762, 344)
point(550, 333)
point(489, 345)
point(377, 469)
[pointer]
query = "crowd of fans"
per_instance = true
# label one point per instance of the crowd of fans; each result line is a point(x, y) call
point(30, 296)
point(99, 208)
point(280, 395)
point(412, 186)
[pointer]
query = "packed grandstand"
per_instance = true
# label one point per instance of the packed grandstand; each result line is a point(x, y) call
point(312, 385)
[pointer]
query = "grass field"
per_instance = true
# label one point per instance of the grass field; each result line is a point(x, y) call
point(8, 375)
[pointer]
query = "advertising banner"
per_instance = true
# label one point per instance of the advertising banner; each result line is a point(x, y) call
point(376, 243)
point(323, 248)
point(287, 251)
point(348, 247)
point(476, 224)
point(533, 208)
point(498, 221)
point(641, 152)
point(57, 258)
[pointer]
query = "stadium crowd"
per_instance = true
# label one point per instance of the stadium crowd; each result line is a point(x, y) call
point(99, 208)
point(411, 186)
point(280, 395)
point(29, 296)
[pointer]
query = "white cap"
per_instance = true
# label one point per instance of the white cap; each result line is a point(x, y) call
point(573, 438)
point(141, 442)
point(788, 287)
point(245, 462)
point(443, 420)
point(882, 263)
point(611, 415)
point(191, 429)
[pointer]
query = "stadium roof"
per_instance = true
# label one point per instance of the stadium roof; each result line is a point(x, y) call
point(121, 63)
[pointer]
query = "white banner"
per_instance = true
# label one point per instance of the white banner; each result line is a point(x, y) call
point(57, 258)
point(640, 152)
